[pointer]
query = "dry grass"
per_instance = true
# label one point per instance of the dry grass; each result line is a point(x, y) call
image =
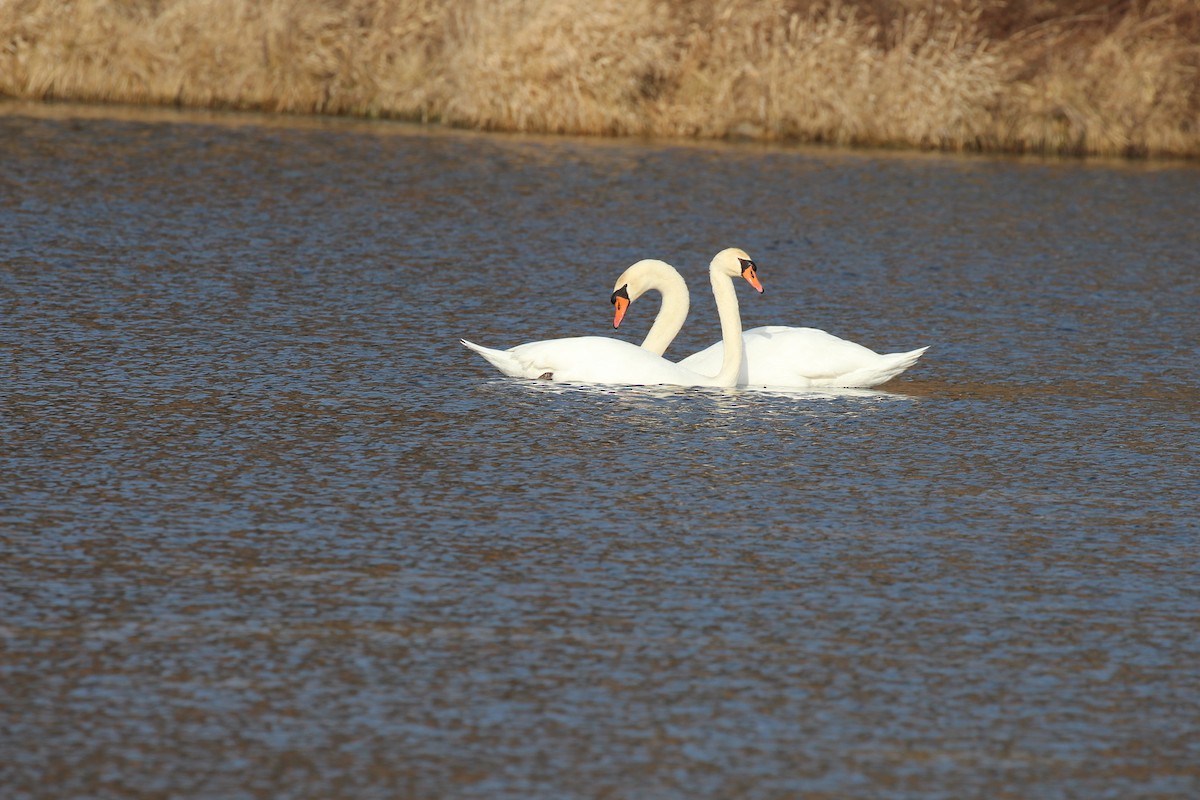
point(1074, 76)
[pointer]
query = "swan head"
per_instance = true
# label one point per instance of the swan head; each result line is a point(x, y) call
point(644, 276)
point(734, 261)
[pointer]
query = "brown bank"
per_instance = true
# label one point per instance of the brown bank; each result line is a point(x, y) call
point(1069, 77)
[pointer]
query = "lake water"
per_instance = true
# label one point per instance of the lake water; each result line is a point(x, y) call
point(268, 531)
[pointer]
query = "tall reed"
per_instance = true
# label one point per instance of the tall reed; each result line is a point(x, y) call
point(1077, 76)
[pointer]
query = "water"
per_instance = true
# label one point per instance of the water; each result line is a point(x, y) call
point(268, 531)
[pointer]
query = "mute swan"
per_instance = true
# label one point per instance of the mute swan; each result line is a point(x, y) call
point(599, 359)
point(775, 355)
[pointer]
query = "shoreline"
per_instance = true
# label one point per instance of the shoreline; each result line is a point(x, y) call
point(233, 118)
point(1101, 83)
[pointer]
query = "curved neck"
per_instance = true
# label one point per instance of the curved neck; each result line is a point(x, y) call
point(671, 314)
point(731, 328)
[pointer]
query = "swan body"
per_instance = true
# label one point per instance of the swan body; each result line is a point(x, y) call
point(775, 355)
point(803, 358)
point(598, 359)
point(592, 359)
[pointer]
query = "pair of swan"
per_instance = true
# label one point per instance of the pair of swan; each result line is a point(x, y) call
point(775, 356)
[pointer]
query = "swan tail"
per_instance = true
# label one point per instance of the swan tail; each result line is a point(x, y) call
point(885, 367)
point(502, 360)
point(895, 363)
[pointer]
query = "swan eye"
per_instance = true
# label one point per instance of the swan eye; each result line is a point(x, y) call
point(747, 264)
point(623, 293)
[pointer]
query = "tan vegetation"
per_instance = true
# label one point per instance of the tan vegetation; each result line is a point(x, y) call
point(1073, 76)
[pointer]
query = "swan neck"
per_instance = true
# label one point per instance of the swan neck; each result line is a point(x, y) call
point(671, 313)
point(731, 328)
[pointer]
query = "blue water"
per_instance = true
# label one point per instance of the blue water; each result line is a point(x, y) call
point(267, 530)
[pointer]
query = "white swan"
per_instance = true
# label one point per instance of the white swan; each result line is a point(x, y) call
point(775, 355)
point(599, 359)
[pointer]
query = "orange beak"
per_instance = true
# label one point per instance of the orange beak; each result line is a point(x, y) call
point(621, 305)
point(750, 273)
point(620, 301)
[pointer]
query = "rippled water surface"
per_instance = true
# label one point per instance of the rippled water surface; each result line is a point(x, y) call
point(268, 531)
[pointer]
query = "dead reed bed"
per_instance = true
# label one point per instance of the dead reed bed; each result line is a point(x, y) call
point(1071, 77)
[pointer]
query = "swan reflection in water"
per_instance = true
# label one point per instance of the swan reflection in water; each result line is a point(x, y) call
point(762, 401)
